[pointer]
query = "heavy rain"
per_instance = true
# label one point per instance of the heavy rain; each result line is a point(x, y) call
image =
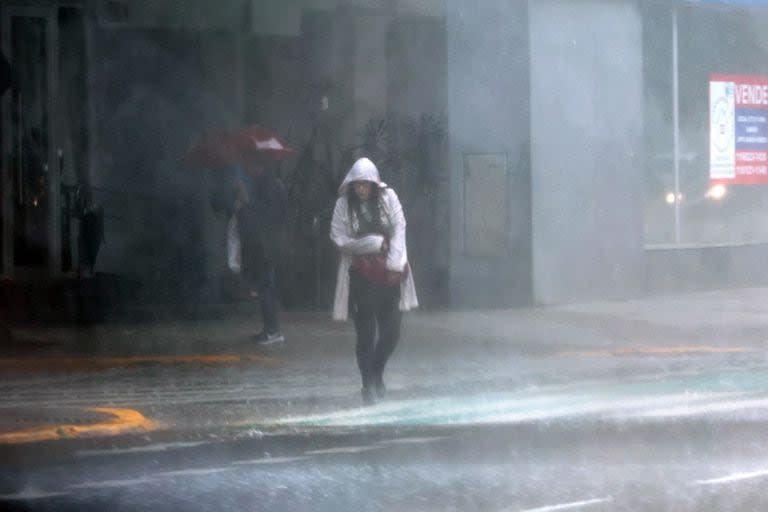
point(419, 255)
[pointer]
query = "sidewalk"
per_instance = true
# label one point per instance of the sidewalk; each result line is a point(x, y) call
point(718, 318)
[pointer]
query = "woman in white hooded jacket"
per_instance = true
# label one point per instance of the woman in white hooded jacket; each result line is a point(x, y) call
point(368, 220)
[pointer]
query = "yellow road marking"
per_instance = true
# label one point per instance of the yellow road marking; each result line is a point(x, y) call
point(689, 349)
point(122, 421)
point(100, 363)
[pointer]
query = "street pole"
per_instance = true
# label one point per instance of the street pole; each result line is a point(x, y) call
point(676, 124)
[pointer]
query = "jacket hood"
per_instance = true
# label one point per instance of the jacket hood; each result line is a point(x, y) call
point(362, 170)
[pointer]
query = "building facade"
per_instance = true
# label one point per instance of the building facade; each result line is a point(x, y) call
point(550, 151)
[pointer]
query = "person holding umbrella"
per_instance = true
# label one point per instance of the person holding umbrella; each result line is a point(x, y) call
point(260, 220)
point(259, 206)
point(374, 277)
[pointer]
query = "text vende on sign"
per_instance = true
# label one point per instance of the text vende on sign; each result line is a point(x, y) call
point(751, 94)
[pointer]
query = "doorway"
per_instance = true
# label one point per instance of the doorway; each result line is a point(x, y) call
point(43, 137)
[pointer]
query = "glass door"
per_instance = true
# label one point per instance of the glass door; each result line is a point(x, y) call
point(30, 197)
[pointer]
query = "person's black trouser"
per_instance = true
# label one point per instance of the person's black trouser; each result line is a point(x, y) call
point(268, 297)
point(259, 267)
point(374, 304)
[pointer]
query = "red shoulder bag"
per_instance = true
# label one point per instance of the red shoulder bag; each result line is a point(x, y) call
point(373, 267)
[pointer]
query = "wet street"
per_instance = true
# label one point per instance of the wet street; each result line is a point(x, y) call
point(538, 413)
point(501, 467)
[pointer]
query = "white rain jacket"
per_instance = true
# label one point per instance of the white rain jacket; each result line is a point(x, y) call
point(343, 235)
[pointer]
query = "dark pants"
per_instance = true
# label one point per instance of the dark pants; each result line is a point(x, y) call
point(268, 297)
point(374, 305)
point(259, 269)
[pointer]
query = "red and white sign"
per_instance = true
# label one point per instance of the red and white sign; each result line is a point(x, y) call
point(738, 132)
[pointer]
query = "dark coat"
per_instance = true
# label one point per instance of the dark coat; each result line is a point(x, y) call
point(261, 222)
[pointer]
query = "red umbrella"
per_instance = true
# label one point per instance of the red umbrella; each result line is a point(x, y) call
point(226, 148)
point(212, 150)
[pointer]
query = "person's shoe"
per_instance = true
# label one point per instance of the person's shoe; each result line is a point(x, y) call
point(368, 396)
point(269, 338)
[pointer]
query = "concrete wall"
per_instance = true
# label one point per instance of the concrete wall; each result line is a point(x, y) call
point(586, 128)
point(370, 69)
point(416, 62)
point(488, 109)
